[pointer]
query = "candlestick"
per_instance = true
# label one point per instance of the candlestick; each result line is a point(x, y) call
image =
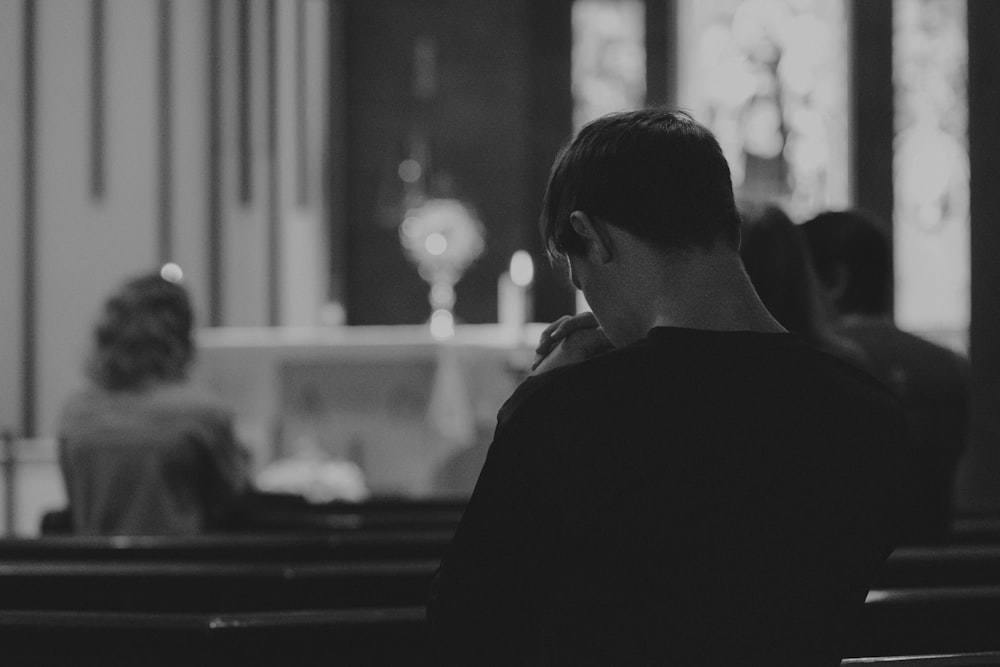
point(514, 297)
point(512, 303)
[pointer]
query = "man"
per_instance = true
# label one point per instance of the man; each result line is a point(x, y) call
point(681, 482)
point(852, 255)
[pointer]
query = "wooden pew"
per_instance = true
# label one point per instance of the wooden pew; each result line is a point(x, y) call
point(211, 587)
point(944, 565)
point(952, 565)
point(261, 512)
point(276, 512)
point(398, 544)
point(975, 528)
point(346, 638)
point(944, 660)
point(941, 619)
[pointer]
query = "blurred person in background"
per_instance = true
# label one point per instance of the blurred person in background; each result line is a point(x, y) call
point(778, 263)
point(142, 451)
point(852, 254)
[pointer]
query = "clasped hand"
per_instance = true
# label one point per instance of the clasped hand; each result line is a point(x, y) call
point(569, 340)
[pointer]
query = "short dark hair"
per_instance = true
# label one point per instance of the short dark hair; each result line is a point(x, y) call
point(858, 241)
point(144, 333)
point(656, 173)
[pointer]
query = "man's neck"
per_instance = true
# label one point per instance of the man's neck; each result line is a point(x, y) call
point(699, 290)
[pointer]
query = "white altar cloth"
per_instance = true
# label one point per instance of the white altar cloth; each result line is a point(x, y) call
point(416, 414)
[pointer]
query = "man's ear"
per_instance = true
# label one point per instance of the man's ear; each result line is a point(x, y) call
point(595, 235)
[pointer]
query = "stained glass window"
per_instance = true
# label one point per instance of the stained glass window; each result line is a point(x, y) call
point(609, 58)
point(769, 77)
point(931, 166)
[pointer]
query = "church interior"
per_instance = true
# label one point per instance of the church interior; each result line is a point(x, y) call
point(349, 191)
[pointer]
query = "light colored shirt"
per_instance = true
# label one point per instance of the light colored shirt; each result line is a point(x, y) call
point(159, 461)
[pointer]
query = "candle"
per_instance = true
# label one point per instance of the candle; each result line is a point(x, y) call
point(514, 307)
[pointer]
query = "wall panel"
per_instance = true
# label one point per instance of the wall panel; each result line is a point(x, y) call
point(244, 223)
point(11, 212)
point(87, 246)
point(304, 253)
point(190, 130)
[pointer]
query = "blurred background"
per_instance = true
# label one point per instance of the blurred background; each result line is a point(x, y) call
point(351, 189)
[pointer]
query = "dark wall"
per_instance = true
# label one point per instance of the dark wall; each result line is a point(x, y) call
point(489, 125)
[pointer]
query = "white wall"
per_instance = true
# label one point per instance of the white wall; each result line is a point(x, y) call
point(86, 245)
point(190, 149)
point(304, 258)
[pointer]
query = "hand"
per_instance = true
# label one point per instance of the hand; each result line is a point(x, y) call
point(569, 340)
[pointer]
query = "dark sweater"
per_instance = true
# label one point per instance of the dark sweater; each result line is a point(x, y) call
point(696, 498)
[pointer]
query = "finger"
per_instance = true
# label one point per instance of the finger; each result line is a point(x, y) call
point(548, 337)
point(547, 332)
point(561, 329)
point(543, 355)
point(567, 324)
point(582, 342)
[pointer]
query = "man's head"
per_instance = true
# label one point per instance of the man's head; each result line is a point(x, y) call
point(656, 174)
point(852, 256)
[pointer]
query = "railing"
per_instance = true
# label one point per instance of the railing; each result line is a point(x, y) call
point(9, 469)
point(16, 454)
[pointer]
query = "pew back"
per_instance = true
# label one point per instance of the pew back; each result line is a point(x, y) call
point(280, 547)
point(346, 638)
point(211, 587)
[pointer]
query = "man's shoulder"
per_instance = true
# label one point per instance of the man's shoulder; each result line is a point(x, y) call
point(678, 366)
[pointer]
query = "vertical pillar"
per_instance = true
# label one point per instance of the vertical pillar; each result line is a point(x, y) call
point(979, 481)
point(661, 52)
point(29, 211)
point(550, 124)
point(872, 107)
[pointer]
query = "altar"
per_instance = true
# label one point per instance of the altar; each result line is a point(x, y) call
point(414, 413)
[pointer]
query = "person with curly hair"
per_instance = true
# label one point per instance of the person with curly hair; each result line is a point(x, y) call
point(780, 267)
point(142, 450)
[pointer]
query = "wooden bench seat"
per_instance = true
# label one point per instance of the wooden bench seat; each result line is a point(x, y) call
point(366, 637)
point(980, 659)
point(346, 638)
point(942, 619)
point(281, 547)
point(275, 512)
point(944, 565)
point(164, 586)
point(975, 528)
point(265, 512)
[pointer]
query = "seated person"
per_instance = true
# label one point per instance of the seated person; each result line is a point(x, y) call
point(682, 481)
point(779, 265)
point(853, 254)
point(143, 452)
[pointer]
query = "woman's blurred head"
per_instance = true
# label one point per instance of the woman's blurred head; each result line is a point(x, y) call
point(144, 335)
point(778, 263)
